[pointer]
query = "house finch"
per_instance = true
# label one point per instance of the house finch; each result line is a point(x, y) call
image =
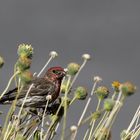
point(49, 84)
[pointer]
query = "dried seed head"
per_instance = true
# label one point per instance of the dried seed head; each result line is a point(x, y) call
point(53, 54)
point(128, 88)
point(86, 57)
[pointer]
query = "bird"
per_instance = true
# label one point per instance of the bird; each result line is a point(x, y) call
point(49, 84)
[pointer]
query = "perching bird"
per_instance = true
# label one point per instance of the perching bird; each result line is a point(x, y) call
point(49, 84)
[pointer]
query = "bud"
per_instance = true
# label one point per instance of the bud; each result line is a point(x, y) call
point(116, 86)
point(96, 115)
point(97, 79)
point(80, 93)
point(53, 54)
point(25, 50)
point(86, 57)
point(1, 62)
point(73, 68)
point(73, 128)
point(128, 88)
point(26, 76)
point(23, 63)
point(102, 92)
point(109, 104)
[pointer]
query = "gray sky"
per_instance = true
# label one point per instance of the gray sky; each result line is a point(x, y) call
point(108, 30)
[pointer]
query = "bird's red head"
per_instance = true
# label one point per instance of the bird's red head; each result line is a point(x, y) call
point(55, 73)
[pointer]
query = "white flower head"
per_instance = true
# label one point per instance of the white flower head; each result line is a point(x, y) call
point(86, 56)
point(97, 79)
point(53, 54)
point(48, 97)
point(73, 128)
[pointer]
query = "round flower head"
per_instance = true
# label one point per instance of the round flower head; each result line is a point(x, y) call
point(116, 86)
point(109, 104)
point(97, 79)
point(1, 62)
point(73, 68)
point(25, 50)
point(86, 57)
point(80, 93)
point(128, 88)
point(102, 92)
point(26, 77)
point(53, 54)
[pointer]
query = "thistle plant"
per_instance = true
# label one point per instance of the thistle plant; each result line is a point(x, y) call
point(41, 109)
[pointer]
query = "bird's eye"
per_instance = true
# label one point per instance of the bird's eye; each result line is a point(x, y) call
point(56, 72)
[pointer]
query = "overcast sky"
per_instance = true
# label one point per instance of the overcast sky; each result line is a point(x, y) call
point(109, 30)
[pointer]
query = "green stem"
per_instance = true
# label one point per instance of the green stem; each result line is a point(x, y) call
point(74, 98)
point(65, 108)
point(100, 123)
point(93, 121)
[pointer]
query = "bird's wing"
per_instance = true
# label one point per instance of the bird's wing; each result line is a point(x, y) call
point(41, 87)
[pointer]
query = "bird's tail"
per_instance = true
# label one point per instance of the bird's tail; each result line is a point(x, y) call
point(8, 96)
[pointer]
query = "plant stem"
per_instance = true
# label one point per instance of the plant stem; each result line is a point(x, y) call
point(42, 123)
point(9, 83)
point(65, 107)
point(93, 122)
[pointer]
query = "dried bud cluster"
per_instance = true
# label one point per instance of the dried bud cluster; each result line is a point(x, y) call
point(128, 88)
point(25, 50)
point(25, 53)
